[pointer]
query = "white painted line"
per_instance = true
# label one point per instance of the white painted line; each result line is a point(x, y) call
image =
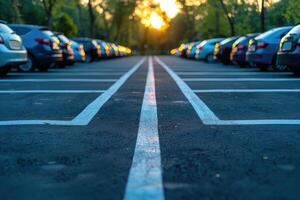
point(68, 74)
point(56, 80)
point(90, 70)
point(240, 79)
point(50, 91)
point(208, 117)
point(145, 177)
point(83, 118)
point(248, 91)
point(234, 73)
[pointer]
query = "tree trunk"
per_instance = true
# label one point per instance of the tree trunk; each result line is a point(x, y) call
point(92, 19)
point(230, 20)
point(262, 16)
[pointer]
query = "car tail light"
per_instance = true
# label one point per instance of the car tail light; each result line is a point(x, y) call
point(200, 48)
point(1, 40)
point(261, 45)
point(241, 47)
point(298, 43)
point(43, 41)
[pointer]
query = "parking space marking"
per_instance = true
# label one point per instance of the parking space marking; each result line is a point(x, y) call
point(67, 74)
point(207, 116)
point(234, 73)
point(50, 91)
point(83, 118)
point(145, 177)
point(248, 91)
point(56, 80)
point(239, 79)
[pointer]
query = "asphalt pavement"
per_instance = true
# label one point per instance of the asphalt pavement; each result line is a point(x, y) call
point(156, 127)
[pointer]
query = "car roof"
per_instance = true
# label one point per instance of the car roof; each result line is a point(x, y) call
point(30, 26)
point(3, 22)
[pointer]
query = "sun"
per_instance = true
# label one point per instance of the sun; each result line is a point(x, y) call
point(170, 7)
point(156, 21)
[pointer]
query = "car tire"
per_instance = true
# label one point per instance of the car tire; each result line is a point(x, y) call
point(209, 58)
point(43, 68)
point(88, 58)
point(29, 66)
point(295, 70)
point(4, 71)
point(242, 64)
point(263, 67)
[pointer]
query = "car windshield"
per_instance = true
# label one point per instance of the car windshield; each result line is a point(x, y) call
point(226, 40)
point(241, 39)
point(295, 30)
point(268, 33)
point(47, 32)
point(5, 29)
point(63, 38)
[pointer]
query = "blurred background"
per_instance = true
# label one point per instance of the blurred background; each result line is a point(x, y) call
point(152, 26)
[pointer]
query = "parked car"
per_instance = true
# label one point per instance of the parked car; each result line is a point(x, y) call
point(91, 48)
point(239, 49)
point(41, 44)
point(103, 51)
point(12, 51)
point(205, 50)
point(68, 53)
point(191, 51)
point(79, 54)
point(262, 50)
point(289, 52)
point(223, 49)
point(183, 49)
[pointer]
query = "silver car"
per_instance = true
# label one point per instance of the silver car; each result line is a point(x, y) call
point(12, 51)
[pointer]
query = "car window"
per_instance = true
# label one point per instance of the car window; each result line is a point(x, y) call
point(227, 40)
point(295, 30)
point(277, 32)
point(47, 32)
point(22, 30)
point(63, 38)
point(5, 29)
point(240, 40)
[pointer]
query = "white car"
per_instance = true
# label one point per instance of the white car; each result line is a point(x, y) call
point(12, 51)
point(205, 50)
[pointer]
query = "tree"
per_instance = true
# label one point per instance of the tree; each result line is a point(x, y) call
point(229, 17)
point(16, 15)
point(48, 8)
point(262, 16)
point(92, 18)
point(65, 24)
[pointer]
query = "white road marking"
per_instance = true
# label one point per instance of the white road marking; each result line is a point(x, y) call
point(234, 73)
point(145, 177)
point(240, 79)
point(207, 116)
point(90, 70)
point(56, 80)
point(50, 91)
point(83, 118)
point(248, 91)
point(68, 74)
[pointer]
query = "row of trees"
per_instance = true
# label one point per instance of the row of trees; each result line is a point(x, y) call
point(115, 20)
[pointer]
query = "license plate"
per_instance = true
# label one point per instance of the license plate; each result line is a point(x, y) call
point(14, 44)
point(252, 48)
point(287, 46)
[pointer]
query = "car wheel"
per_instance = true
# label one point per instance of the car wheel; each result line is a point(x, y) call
point(262, 67)
point(88, 58)
point(280, 68)
point(43, 68)
point(29, 66)
point(295, 70)
point(4, 71)
point(209, 58)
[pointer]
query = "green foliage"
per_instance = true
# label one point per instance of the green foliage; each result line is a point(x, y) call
point(117, 23)
point(64, 23)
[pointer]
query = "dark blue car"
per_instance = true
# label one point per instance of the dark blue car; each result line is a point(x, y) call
point(41, 44)
point(239, 49)
point(289, 52)
point(262, 50)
